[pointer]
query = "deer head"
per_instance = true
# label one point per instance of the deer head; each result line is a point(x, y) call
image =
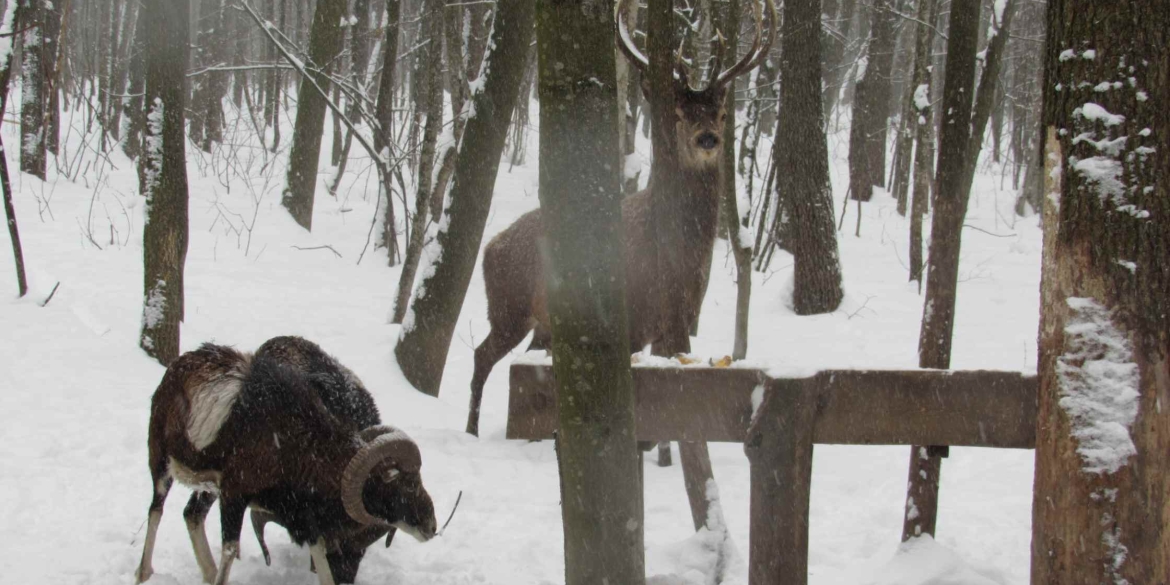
point(701, 113)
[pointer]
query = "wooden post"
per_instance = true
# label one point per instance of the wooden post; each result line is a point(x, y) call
point(779, 447)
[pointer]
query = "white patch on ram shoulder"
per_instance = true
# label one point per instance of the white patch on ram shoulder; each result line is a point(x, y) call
point(212, 403)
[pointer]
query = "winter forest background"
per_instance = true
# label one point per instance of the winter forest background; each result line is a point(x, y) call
point(182, 171)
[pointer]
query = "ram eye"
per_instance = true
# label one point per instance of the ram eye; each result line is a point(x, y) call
point(391, 475)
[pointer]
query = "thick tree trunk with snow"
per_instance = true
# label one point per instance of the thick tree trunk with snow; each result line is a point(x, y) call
point(430, 322)
point(1099, 512)
point(871, 104)
point(802, 164)
point(938, 319)
point(600, 466)
point(164, 178)
point(32, 96)
point(324, 45)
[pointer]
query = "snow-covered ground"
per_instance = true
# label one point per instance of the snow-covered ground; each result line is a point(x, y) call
point(75, 389)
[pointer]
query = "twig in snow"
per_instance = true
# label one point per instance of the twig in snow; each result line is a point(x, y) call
point(455, 507)
point(51, 293)
point(850, 316)
point(967, 225)
point(325, 247)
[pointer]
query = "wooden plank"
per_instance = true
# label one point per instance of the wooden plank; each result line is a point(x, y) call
point(927, 407)
point(862, 407)
point(779, 448)
point(673, 404)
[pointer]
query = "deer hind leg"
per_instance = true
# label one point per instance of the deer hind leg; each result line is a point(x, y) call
point(497, 345)
point(194, 514)
point(162, 486)
point(541, 339)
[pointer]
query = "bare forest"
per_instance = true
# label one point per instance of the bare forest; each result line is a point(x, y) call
point(664, 291)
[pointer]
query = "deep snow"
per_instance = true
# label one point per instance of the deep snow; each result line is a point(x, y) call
point(75, 389)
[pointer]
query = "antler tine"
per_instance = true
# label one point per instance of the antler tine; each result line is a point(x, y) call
point(773, 28)
point(759, 49)
point(626, 40)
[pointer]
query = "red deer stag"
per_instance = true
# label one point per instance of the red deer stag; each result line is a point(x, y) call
point(513, 270)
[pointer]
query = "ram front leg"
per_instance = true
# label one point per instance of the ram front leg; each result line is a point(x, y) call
point(194, 515)
point(231, 519)
point(162, 486)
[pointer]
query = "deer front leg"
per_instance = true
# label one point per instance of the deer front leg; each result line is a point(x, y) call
point(231, 519)
point(317, 551)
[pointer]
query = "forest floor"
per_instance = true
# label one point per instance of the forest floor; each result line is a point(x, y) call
point(75, 389)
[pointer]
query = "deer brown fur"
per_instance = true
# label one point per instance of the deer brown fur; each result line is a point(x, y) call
point(513, 267)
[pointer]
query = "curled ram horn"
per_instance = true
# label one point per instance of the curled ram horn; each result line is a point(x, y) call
point(381, 443)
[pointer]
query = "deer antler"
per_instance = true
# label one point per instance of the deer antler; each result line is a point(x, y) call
point(630, 50)
point(626, 40)
point(759, 50)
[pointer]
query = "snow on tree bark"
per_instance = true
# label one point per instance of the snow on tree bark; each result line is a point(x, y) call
point(430, 320)
point(164, 177)
point(1103, 436)
point(32, 96)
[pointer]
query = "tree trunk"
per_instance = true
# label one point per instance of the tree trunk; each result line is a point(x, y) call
point(871, 101)
point(727, 19)
point(54, 55)
point(600, 466)
point(453, 19)
point(135, 114)
point(802, 164)
point(938, 319)
point(422, 201)
point(32, 96)
point(384, 114)
point(214, 87)
point(324, 45)
point(1102, 464)
point(922, 115)
point(164, 239)
point(430, 322)
point(835, 50)
point(384, 108)
point(988, 88)
point(12, 21)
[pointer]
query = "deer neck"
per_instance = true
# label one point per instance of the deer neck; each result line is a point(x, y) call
point(687, 204)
